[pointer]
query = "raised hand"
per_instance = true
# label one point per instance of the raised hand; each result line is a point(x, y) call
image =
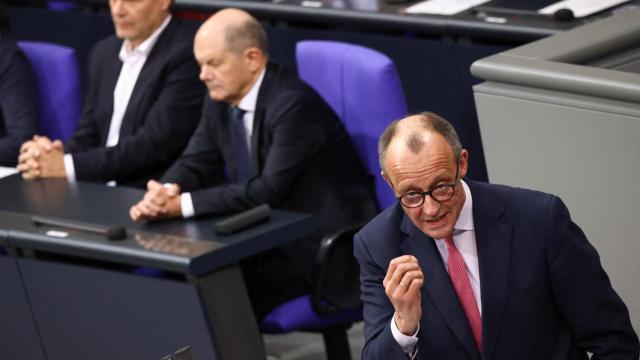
point(402, 285)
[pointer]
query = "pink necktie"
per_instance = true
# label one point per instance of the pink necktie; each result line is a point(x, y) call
point(460, 280)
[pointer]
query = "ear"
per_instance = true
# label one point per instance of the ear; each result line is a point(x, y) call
point(463, 164)
point(254, 58)
point(387, 180)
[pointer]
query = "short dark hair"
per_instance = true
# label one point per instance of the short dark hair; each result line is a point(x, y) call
point(244, 35)
point(430, 121)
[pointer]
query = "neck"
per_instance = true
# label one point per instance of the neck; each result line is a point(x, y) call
point(250, 84)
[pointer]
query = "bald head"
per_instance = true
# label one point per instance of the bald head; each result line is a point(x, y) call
point(236, 28)
point(413, 131)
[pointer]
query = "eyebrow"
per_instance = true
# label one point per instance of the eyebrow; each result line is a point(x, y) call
point(439, 179)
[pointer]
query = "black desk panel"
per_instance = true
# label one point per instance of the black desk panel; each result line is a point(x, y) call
point(86, 302)
point(183, 246)
point(88, 313)
point(20, 338)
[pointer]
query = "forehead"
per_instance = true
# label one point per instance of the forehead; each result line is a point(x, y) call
point(141, 4)
point(209, 45)
point(433, 160)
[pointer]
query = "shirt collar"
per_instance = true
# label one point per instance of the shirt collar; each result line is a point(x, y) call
point(145, 47)
point(465, 220)
point(249, 101)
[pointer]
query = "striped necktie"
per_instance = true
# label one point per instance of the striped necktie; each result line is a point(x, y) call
point(462, 285)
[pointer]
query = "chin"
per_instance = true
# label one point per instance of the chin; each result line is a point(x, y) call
point(124, 35)
point(215, 96)
point(440, 232)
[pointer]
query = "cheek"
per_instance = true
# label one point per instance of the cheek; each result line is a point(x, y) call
point(414, 214)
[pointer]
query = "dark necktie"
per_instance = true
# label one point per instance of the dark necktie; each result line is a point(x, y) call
point(242, 159)
point(462, 285)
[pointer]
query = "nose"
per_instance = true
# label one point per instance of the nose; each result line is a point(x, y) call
point(430, 207)
point(117, 8)
point(205, 73)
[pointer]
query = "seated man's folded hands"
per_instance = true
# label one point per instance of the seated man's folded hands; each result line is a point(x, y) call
point(41, 157)
point(159, 202)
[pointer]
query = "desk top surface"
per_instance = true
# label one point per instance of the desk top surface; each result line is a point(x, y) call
point(185, 246)
point(508, 21)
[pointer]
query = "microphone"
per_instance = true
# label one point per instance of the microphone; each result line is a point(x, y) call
point(111, 232)
point(243, 220)
point(562, 14)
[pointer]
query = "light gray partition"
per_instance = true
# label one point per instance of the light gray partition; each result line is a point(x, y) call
point(562, 115)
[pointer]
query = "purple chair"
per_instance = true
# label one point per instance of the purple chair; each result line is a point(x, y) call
point(58, 83)
point(61, 5)
point(363, 88)
point(334, 302)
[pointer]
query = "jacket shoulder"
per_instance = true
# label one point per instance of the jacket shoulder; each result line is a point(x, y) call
point(384, 226)
point(514, 202)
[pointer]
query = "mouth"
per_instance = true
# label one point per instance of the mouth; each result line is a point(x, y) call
point(436, 221)
point(121, 25)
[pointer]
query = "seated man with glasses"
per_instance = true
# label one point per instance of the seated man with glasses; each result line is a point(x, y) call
point(466, 270)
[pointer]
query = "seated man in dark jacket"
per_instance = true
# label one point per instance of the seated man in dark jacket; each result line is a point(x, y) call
point(18, 107)
point(143, 103)
point(279, 143)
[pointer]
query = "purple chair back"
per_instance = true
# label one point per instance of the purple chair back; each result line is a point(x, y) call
point(61, 5)
point(58, 83)
point(363, 88)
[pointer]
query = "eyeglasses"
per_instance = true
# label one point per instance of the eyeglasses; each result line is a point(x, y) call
point(440, 193)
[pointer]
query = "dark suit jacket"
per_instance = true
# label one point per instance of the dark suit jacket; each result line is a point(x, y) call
point(162, 113)
point(544, 292)
point(302, 159)
point(18, 101)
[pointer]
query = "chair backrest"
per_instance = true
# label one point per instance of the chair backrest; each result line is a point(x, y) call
point(61, 5)
point(363, 88)
point(58, 82)
point(336, 274)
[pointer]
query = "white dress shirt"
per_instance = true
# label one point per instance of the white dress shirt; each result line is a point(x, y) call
point(248, 104)
point(133, 60)
point(464, 238)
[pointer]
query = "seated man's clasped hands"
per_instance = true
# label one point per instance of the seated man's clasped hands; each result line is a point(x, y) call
point(159, 202)
point(41, 157)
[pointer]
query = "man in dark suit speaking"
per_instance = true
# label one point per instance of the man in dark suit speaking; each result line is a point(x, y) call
point(264, 137)
point(143, 103)
point(465, 270)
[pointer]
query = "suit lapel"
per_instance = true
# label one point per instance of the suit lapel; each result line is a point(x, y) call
point(257, 136)
point(493, 241)
point(108, 84)
point(144, 83)
point(437, 285)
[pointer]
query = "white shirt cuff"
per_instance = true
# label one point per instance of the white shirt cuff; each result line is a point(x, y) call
point(186, 205)
point(407, 343)
point(69, 168)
